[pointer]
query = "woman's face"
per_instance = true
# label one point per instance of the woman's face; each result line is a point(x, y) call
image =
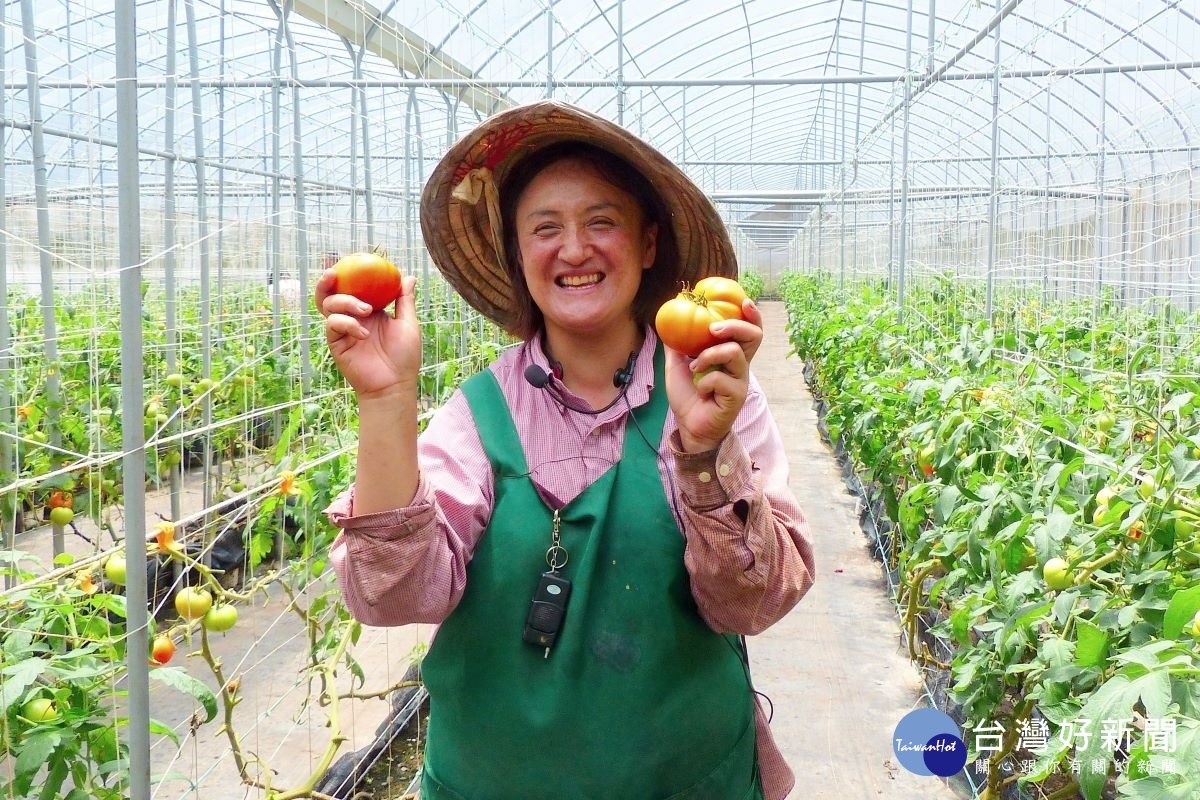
point(583, 246)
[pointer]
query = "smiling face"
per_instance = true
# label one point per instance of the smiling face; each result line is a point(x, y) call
point(583, 245)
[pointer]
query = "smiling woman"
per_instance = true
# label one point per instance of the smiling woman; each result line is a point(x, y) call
point(549, 527)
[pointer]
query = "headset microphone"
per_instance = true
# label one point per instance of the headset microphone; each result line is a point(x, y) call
point(623, 376)
point(538, 378)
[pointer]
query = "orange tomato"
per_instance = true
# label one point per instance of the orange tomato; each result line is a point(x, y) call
point(723, 295)
point(682, 322)
point(370, 277)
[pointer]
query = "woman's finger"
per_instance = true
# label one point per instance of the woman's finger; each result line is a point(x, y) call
point(339, 325)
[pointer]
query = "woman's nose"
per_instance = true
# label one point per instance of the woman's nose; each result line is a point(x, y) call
point(575, 248)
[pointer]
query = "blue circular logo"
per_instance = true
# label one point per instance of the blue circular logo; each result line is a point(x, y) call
point(928, 742)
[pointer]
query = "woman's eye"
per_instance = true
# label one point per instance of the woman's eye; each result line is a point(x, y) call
point(602, 223)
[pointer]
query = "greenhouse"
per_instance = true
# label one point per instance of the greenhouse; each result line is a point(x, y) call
point(970, 235)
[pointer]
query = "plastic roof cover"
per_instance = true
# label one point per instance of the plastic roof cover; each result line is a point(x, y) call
point(735, 130)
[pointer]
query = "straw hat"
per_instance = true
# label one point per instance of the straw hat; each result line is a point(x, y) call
point(460, 206)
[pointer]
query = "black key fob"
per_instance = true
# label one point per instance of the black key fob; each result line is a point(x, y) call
point(547, 610)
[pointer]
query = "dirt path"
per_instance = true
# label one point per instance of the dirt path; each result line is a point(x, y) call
point(834, 668)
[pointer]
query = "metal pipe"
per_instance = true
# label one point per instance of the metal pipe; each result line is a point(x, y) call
point(132, 378)
point(905, 127)
point(620, 62)
point(1101, 245)
point(537, 83)
point(300, 209)
point(994, 201)
point(202, 230)
point(8, 461)
point(45, 255)
point(170, 299)
point(550, 49)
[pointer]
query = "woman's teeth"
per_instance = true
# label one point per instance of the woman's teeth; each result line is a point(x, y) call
point(580, 280)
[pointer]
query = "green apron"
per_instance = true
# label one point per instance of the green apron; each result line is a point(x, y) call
point(638, 700)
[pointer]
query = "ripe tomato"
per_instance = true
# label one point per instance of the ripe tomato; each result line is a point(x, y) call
point(60, 499)
point(162, 650)
point(682, 322)
point(370, 277)
point(192, 603)
point(724, 295)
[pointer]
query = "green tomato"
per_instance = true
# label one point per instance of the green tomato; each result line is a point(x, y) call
point(1105, 421)
point(221, 618)
point(61, 516)
point(1194, 629)
point(204, 385)
point(174, 380)
point(1146, 488)
point(40, 709)
point(1057, 573)
point(1184, 527)
point(114, 569)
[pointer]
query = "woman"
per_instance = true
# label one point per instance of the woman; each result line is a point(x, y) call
point(591, 528)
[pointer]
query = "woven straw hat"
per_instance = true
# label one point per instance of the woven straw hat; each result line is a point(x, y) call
point(460, 206)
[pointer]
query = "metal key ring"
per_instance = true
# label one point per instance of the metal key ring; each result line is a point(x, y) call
point(553, 552)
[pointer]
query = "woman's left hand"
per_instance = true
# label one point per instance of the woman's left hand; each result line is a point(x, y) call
point(707, 392)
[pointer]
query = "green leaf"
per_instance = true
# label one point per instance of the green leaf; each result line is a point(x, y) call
point(159, 729)
point(1091, 649)
point(55, 777)
point(35, 753)
point(17, 678)
point(1180, 611)
point(177, 678)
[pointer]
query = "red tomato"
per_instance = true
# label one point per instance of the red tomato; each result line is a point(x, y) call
point(682, 324)
point(723, 295)
point(370, 277)
point(60, 499)
point(162, 650)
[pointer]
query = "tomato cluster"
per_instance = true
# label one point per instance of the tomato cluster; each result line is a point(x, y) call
point(683, 321)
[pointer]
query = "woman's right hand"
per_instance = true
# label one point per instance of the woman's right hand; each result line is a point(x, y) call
point(376, 352)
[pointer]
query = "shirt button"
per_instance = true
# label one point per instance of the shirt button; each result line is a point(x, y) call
point(723, 470)
point(704, 477)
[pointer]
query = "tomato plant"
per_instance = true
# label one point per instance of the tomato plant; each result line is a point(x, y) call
point(370, 277)
point(1076, 449)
